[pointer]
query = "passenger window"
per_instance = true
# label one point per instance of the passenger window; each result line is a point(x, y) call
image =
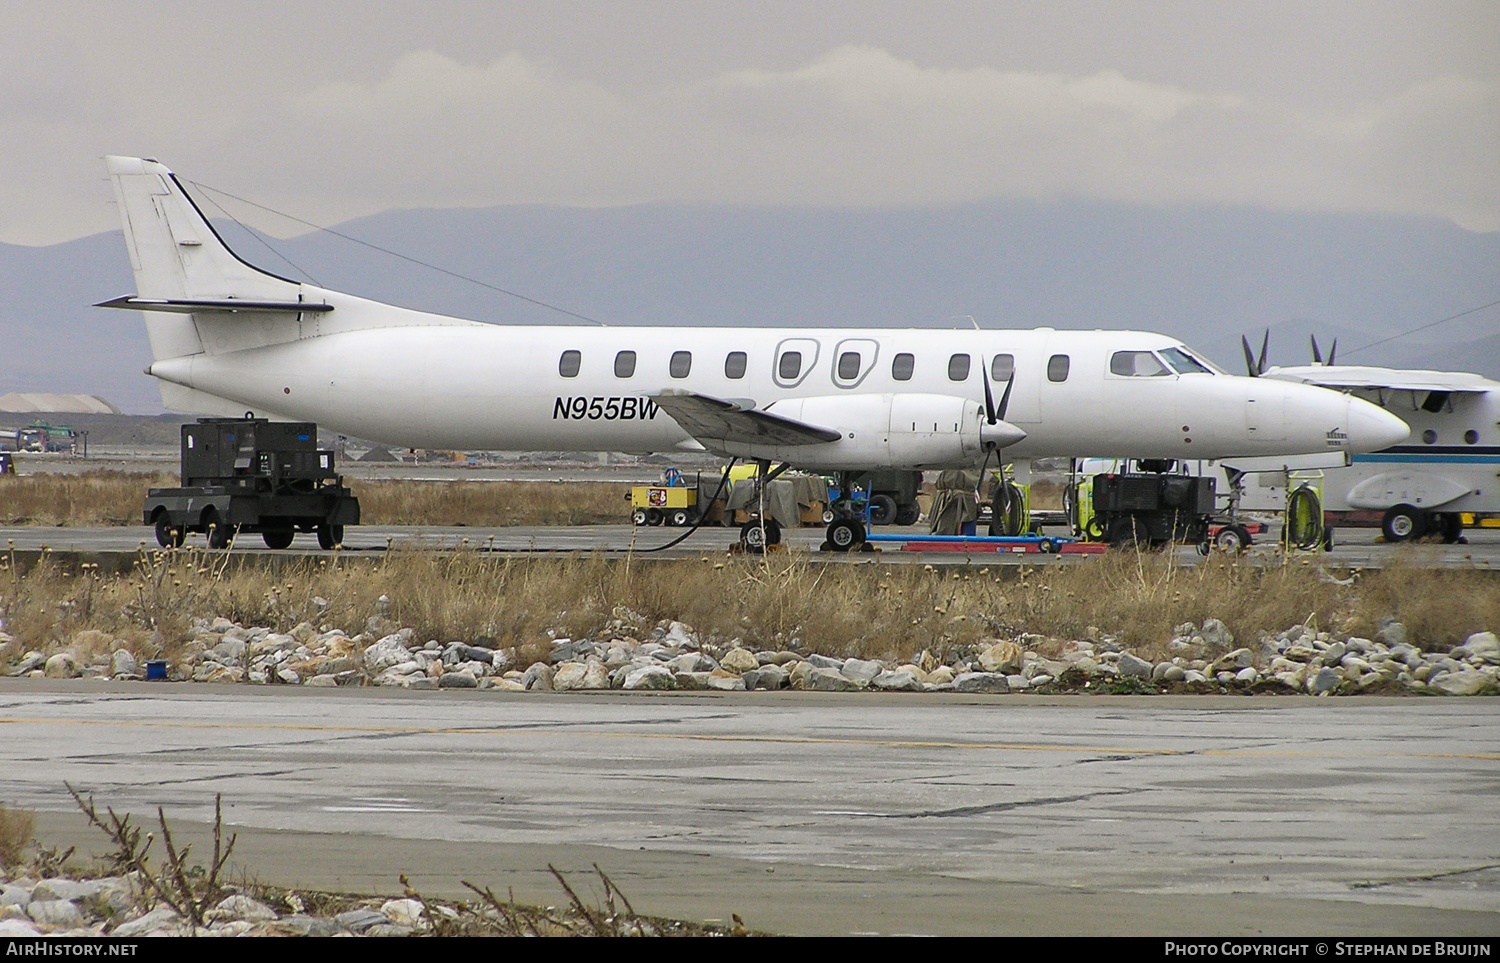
point(734, 365)
point(849, 366)
point(958, 368)
point(1057, 368)
point(681, 364)
point(1136, 364)
point(625, 364)
point(791, 365)
point(568, 364)
point(1003, 367)
point(902, 365)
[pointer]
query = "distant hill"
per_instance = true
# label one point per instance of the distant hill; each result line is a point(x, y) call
point(1204, 274)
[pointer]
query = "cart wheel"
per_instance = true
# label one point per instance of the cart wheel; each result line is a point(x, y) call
point(638, 517)
point(882, 510)
point(1232, 539)
point(828, 516)
point(167, 534)
point(680, 518)
point(330, 537)
point(846, 535)
point(220, 533)
point(277, 537)
point(908, 514)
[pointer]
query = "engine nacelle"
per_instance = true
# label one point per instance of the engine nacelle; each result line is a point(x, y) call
point(906, 431)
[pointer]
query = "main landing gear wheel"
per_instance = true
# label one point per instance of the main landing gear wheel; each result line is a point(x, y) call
point(330, 537)
point(755, 539)
point(169, 535)
point(277, 537)
point(845, 535)
point(1403, 522)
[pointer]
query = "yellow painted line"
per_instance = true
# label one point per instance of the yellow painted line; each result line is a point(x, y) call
point(697, 737)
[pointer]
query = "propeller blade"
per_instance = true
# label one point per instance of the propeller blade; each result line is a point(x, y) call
point(1331, 349)
point(1260, 365)
point(989, 399)
point(1249, 357)
point(1317, 355)
point(1005, 398)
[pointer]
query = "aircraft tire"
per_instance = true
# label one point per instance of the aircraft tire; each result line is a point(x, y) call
point(1450, 526)
point(846, 535)
point(1403, 522)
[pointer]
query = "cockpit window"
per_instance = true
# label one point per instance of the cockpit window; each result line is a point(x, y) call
point(1185, 363)
point(1136, 364)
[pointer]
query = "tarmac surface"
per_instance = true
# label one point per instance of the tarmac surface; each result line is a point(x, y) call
point(815, 813)
point(1352, 547)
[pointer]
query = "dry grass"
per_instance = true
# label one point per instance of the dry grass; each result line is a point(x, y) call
point(16, 827)
point(879, 611)
point(105, 497)
point(93, 498)
point(491, 504)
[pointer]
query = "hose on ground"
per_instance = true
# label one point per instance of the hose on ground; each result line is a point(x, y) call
point(1304, 519)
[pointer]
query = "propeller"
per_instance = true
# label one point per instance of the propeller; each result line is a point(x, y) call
point(996, 433)
point(1255, 368)
point(1318, 355)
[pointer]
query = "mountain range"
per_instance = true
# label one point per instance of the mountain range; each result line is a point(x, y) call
point(1203, 274)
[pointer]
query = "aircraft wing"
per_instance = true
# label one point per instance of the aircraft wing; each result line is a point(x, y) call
point(1357, 376)
point(713, 420)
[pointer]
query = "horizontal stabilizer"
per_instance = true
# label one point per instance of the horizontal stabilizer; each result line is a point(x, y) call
point(200, 305)
point(711, 420)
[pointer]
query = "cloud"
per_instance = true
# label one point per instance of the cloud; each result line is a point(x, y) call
point(857, 125)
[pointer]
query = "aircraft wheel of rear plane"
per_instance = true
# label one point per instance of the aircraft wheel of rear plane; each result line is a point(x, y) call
point(1403, 522)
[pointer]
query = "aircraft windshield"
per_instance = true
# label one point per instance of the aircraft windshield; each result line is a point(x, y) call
point(1184, 363)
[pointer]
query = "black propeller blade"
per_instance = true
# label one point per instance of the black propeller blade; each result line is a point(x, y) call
point(1317, 355)
point(1256, 367)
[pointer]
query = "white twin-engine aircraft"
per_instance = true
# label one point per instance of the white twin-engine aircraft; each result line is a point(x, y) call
point(227, 337)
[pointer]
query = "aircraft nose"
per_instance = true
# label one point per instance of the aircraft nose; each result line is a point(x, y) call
point(1372, 428)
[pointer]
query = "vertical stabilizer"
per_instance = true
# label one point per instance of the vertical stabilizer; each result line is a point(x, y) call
point(177, 256)
point(174, 251)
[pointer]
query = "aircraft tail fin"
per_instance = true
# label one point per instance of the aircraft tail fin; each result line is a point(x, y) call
point(174, 251)
point(183, 269)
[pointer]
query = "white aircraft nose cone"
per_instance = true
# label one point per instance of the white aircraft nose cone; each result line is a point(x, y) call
point(1372, 428)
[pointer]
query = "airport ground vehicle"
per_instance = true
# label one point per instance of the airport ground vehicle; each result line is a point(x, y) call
point(1150, 507)
point(252, 475)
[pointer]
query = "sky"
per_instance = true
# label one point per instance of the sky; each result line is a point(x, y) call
point(334, 110)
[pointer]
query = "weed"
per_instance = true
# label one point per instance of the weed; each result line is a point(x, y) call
point(16, 826)
point(188, 890)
